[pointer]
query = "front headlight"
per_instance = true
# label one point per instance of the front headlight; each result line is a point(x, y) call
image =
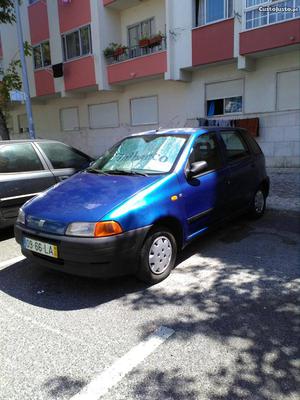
point(21, 217)
point(94, 229)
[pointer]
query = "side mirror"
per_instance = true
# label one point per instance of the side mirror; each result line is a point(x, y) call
point(196, 168)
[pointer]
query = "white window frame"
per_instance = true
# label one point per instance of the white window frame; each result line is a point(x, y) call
point(145, 123)
point(139, 25)
point(42, 55)
point(64, 43)
point(226, 15)
point(266, 3)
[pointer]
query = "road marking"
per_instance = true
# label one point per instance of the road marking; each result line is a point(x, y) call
point(12, 261)
point(100, 385)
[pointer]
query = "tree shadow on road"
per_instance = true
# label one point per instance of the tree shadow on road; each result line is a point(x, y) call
point(239, 287)
point(249, 304)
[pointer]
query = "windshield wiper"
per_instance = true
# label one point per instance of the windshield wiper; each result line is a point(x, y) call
point(95, 171)
point(124, 172)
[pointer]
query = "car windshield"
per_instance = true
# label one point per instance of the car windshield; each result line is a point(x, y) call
point(147, 154)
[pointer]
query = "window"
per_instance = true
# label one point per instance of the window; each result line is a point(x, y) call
point(23, 123)
point(104, 115)
point(41, 55)
point(19, 158)
point(263, 12)
point(224, 97)
point(288, 92)
point(63, 156)
point(152, 153)
point(208, 11)
point(206, 149)
point(230, 105)
point(77, 43)
point(137, 31)
point(235, 146)
point(69, 119)
point(144, 111)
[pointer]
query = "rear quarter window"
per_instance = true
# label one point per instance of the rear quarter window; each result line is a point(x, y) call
point(63, 156)
point(235, 146)
point(19, 157)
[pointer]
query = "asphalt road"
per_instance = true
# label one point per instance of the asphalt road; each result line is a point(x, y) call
point(233, 302)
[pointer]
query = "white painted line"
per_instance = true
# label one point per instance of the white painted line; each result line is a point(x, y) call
point(12, 261)
point(100, 385)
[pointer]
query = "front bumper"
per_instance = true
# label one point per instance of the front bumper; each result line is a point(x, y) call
point(92, 257)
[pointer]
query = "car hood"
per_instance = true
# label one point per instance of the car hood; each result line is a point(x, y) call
point(85, 197)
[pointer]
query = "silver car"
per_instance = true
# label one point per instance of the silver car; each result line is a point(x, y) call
point(27, 167)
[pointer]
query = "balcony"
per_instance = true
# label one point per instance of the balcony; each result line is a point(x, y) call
point(73, 14)
point(136, 62)
point(213, 43)
point(120, 4)
point(38, 22)
point(80, 73)
point(267, 29)
point(44, 82)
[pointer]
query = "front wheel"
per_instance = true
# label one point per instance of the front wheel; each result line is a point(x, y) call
point(158, 256)
point(258, 205)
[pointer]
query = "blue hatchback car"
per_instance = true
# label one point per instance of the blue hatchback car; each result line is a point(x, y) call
point(145, 199)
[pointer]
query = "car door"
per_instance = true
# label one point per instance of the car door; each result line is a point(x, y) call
point(205, 195)
point(242, 169)
point(23, 174)
point(63, 160)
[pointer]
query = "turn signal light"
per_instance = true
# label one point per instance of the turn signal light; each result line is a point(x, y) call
point(107, 228)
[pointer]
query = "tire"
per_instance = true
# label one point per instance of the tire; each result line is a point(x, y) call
point(158, 256)
point(258, 204)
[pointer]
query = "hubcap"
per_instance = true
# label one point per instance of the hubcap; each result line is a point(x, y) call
point(259, 202)
point(160, 255)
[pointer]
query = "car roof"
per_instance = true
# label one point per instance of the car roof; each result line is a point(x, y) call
point(185, 131)
point(28, 141)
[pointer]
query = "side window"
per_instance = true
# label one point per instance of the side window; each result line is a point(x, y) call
point(62, 156)
point(236, 148)
point(19, 157)
point(206, 149)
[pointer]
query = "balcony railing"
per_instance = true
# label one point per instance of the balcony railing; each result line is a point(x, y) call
point(136, 51)
point(264, 12)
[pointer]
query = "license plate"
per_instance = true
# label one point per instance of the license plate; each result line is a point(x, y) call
point(46, 249)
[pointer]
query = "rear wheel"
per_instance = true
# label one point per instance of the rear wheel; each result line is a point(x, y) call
point(158, 256)
point(258, 205)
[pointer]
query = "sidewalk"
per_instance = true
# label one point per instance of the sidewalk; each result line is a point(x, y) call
point(284, 189)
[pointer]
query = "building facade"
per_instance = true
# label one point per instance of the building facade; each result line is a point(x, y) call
point(102, 69)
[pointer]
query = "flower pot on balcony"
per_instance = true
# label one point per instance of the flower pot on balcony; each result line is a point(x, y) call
point(119, 51)
point(155, 40)
point(144, 43)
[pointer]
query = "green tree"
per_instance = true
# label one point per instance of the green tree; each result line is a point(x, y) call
point(11, 79)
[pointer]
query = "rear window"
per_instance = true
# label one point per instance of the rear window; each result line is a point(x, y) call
point(19, 157)
point(63, 156)
point(236, 147)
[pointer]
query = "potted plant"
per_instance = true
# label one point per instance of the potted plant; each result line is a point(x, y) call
point(114, 50)
point(120, 50)
point(156, 40)
point(144, 41)
point(110, 50)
